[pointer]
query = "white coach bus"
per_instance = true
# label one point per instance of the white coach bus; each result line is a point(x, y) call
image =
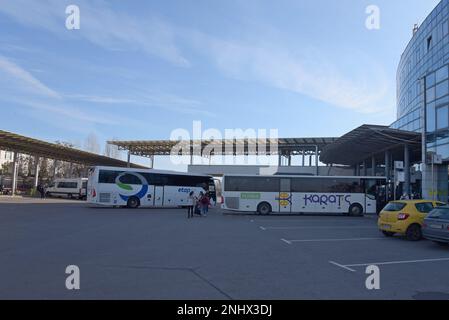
point(111, 186)
point(303, 194)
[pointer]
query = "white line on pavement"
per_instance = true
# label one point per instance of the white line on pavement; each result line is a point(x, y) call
point(286, 241)
point(396, 262)
point(317, 227)
point(332, 240)
point(342, 266)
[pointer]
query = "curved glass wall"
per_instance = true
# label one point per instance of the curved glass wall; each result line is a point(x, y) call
point(423, 82)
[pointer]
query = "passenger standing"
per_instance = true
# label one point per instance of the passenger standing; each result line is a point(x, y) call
point(40, 189)
point(205, 202)
point(191, 199)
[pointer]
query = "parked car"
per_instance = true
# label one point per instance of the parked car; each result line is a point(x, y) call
point(405, 217)
point(436, 225)
point(71, 188)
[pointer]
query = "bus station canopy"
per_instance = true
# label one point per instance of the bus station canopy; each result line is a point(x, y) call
point(21, 144)
point(286, 146)
point(369, 141)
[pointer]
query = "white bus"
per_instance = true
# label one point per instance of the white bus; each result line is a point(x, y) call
point(111, 186)
point(303, 194)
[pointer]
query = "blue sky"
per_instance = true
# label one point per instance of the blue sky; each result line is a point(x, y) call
point(140, 69)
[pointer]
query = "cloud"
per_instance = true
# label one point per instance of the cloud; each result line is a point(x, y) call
point(308, 73)
point(145, 100)
point(101, 26)
point(26, 80)
point(100, 99)
point(69, 112)
point(363, 87)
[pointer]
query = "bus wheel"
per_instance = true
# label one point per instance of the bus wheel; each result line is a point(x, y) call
point(355, 210)
point(133, 203)
point(264, 208)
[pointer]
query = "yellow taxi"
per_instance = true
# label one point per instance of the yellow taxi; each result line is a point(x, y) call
point(405, 217)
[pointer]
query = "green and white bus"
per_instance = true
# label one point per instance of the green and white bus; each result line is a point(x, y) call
point(133, 188)
point(303, 194)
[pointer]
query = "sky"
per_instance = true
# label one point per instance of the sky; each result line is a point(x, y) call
point(138, 70)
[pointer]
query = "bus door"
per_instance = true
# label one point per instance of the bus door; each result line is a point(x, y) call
point(285, 196)
point(158, 196)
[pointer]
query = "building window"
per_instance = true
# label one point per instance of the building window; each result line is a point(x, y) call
point(430, 117)
point(430, 80)
point(430, 95)
point(442, 117)
point(445, 28)
point(441, 74)
point(442, 89)
point(429, 43)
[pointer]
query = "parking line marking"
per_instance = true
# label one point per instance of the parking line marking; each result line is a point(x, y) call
point(332, 240)
point(286, 241)
point(317, 227)
point(396, 262)
point(342, 266)
point(308, 220)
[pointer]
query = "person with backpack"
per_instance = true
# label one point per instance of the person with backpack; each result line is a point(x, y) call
point(204, 203)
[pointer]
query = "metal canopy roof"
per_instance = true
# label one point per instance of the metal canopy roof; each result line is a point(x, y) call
point(21, 144)
point(369, 141)
point(293, 146)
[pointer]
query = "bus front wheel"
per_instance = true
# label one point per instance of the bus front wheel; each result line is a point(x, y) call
point(355, 210)
point(264, 208)
point(133, 203)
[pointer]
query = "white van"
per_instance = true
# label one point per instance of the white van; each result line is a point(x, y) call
point(70, 188)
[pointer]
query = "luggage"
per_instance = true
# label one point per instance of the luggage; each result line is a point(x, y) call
point(197, 210)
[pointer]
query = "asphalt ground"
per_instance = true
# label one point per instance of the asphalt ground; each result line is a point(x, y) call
point(160, 254)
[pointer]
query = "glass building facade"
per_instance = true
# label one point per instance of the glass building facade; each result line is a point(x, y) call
point(423, 83)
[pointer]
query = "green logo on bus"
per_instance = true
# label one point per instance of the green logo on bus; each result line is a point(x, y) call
point(250, 196)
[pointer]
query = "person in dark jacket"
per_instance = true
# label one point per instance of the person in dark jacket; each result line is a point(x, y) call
point(191, 202)
point(41, 190)
point(204, 203)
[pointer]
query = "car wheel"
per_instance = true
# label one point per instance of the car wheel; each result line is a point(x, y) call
point(264, 208)
point(388, 233)
point(355, 210)
point(133, 203)
point(413, 232)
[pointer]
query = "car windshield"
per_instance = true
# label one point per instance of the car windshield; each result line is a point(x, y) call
point(424, 207)
point(394, 206)
point(440, 213)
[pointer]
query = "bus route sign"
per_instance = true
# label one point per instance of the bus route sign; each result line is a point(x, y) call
point(250, 196)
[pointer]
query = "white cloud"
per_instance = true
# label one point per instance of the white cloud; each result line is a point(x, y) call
point(144, 100)
point(100, 25)
point(261, 59)
point(26, 79)
point(307, 73)
point(72, 113)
